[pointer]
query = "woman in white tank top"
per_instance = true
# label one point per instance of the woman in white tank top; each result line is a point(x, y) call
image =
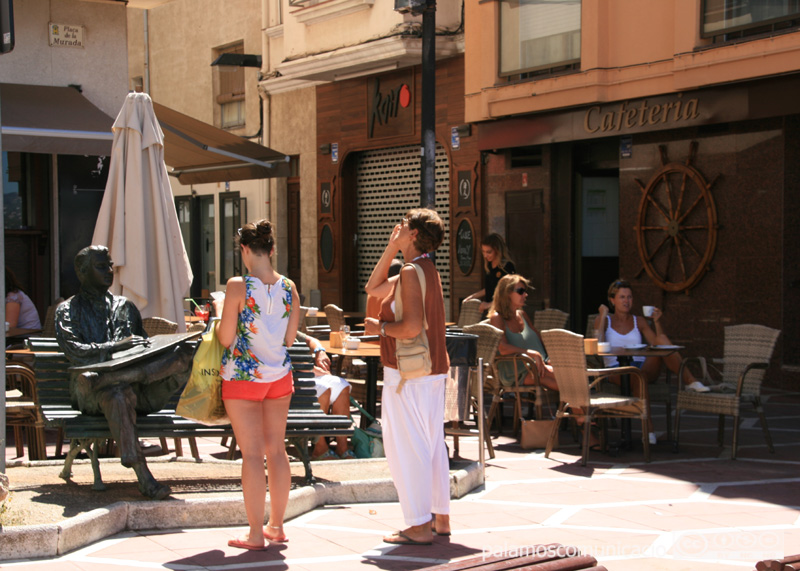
point(621, 328)
point(258, 322)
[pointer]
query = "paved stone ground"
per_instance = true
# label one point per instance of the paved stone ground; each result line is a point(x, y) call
point(40, 496)
point(694, 509)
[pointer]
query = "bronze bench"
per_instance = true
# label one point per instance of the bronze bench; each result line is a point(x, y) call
point(306, 421)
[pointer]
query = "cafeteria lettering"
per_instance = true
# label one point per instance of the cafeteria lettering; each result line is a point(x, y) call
point(625, 117)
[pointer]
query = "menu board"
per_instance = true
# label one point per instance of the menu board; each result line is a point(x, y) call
point(465, 246)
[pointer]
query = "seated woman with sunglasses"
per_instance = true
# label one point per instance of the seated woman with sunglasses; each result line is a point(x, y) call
point(519, 336)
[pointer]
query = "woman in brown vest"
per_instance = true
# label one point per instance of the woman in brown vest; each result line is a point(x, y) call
point(413, 410)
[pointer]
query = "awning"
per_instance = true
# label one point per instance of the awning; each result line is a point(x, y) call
point(59, 120)
point(52, 120)
point(198, 152)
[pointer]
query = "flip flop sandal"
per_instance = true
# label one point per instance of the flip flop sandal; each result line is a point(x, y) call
point(403, 539)
point(280, 539)
point(442, 533)
point(348, 455)
point(242, 545)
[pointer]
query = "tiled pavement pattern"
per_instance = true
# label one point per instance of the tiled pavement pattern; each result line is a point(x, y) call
point(696, 509)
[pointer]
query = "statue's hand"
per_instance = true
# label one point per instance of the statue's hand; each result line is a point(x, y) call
point(129, 342)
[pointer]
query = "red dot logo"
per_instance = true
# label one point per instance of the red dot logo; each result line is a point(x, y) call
point(405, 96)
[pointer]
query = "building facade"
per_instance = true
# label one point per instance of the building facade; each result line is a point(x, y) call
point(171, 50)
point(60, 89)
point(655, 141)
point(342, 86)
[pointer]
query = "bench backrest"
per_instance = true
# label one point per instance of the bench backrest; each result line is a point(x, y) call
point(52, 376)
point(50, 366)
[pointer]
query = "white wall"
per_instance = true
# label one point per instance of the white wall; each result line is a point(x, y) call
point(100, 68)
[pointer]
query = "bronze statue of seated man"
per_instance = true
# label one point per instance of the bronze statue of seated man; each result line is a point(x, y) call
point(93, 325)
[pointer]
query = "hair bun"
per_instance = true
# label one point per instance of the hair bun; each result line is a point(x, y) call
point(264, 228)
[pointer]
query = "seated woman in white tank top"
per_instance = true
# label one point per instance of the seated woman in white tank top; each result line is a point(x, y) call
point(632, 337)
point(621, 328)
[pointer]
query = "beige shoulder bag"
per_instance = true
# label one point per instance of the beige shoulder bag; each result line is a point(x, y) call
point(413, 355)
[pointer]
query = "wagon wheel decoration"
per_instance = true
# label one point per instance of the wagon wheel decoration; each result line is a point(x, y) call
point(677, 226)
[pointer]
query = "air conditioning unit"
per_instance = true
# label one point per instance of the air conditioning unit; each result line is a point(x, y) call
point(410, 6)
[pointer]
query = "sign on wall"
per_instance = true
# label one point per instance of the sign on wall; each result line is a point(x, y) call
point(390, 106)
point(66, 35)
point(465, 246)
point(325, 198)
point(464, 189)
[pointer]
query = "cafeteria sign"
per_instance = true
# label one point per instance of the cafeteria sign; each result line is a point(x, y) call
point(66, 35)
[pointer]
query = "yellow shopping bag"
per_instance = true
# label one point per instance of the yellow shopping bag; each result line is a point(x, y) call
point(201, 400)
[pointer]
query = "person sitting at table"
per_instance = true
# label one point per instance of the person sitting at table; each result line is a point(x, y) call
point(20, 311)
point(622, 329)
point(519, 335)
point(496, 264)
point(333, 394)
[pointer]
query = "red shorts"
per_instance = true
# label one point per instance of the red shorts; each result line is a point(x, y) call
point(248, 390)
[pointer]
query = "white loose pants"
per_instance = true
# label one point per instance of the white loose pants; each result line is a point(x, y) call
point(413, 438)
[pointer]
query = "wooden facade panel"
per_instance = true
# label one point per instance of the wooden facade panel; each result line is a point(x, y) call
point(343, 118)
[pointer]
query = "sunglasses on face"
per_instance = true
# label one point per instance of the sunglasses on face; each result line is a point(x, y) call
point(520, 290)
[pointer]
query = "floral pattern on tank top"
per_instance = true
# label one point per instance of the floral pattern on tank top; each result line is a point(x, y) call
point(245, 362)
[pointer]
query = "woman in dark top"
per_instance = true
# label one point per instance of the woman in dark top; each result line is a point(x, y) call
point(496, 264)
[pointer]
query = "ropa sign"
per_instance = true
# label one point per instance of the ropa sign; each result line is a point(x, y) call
point(390, 109)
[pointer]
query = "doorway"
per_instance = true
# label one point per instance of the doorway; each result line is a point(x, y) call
point(599, 242)
point(81, 185)
point(525, 240)
point(27, 207)
point(196, 217)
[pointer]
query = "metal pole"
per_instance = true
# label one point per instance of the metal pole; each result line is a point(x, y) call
point(481, 427)
point(428, 120)
point(3, 332)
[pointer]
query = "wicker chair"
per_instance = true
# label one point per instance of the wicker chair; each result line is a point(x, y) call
point(519, 367)
point(335, 317)
point(550, 319)
point(22, 411)
point(488, 340)
point(196, 326)
point(159, 326)
point(49, 324)
point(470, 312)
point(593, 360)
point(568, 359)
point(746, 355)
point(349, 367)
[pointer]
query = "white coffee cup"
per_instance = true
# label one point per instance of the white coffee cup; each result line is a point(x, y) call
point(648, 310)
point(352, 343)
point(603, 347)
point(312, 311)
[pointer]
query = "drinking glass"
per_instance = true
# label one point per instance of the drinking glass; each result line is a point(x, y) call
point(202, 311)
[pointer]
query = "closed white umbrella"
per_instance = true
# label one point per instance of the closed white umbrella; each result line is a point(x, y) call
point(137, 220)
